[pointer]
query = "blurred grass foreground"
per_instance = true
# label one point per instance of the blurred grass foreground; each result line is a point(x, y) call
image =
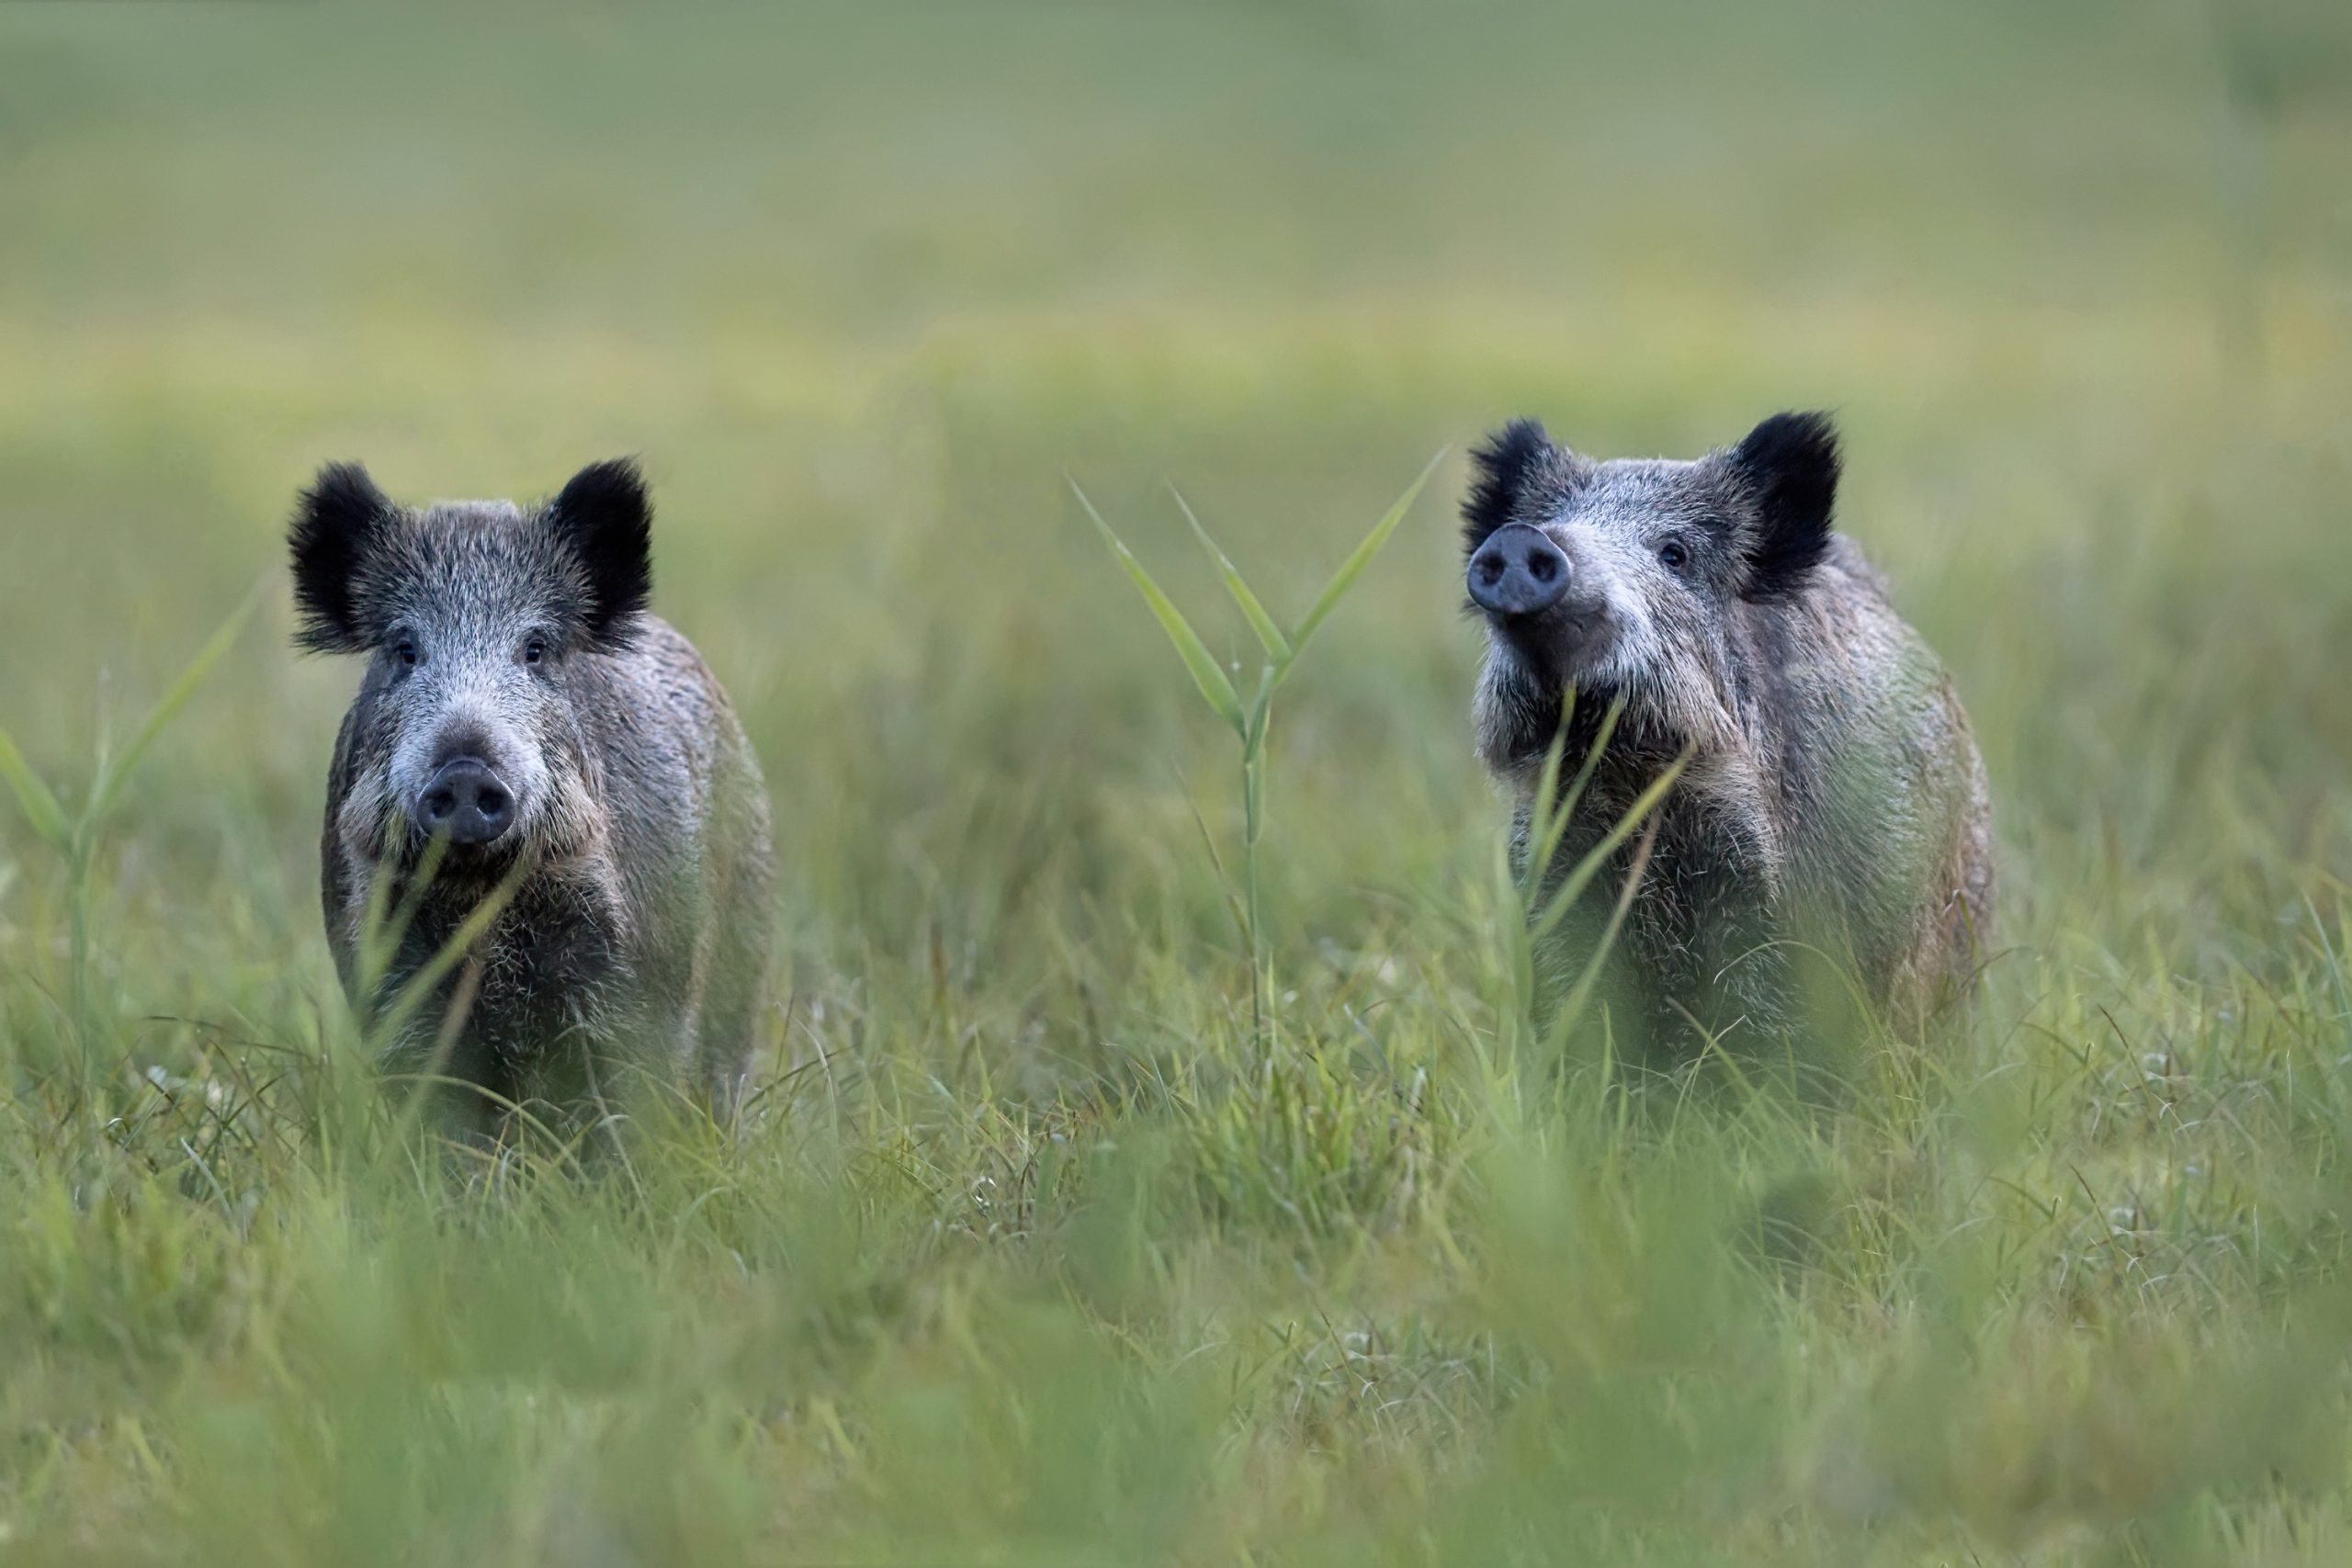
point(1032, 1248)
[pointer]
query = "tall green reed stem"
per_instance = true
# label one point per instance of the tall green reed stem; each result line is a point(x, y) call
point(1249, 723)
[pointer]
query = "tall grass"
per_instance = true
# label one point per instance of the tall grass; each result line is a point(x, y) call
point(1249, 725)
point(75, 840)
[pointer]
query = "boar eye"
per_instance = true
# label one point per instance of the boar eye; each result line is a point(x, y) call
point(1673, 555)
point(535, 648)
point(405, 654)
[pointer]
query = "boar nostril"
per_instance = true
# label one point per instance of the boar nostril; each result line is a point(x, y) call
point(1542, 565)
point(440, 805)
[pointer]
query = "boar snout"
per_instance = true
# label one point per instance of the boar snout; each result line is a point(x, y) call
point(1518, 571)
point(466, 801)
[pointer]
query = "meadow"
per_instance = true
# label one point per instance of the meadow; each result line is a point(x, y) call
point(1031, 1245)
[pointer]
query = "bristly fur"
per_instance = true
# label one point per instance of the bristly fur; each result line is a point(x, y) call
point(636, 849)
point(1833, 801)
point(1790, 463)
point(335, 523)
point(606, 518)
point(1503, 465)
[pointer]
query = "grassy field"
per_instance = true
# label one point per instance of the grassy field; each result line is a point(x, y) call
point(1031, 1250)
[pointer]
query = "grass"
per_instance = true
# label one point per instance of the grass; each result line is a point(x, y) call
point(1251, 726)
point(1035, 1247)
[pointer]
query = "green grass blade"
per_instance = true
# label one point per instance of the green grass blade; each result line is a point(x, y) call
point(39, 807)
point(1270, 635)
point(119, 767)
point(1589, 866)
point(1354, 567)
point(1225, 882)
point(1547, 821)
point(382, 927)
point(418, 988)
point(1557, 825)
point(1564, 1023)
point(1207, 674)
point(1262, 708)
point(1593, 753)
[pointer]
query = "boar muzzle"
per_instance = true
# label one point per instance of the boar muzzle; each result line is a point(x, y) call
point(468, 802)
point(1518, 571)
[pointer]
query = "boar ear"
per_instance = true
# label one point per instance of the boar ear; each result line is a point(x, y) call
point(1789, 465)
point(1502, 467)
point(335, 524)
point(606, 517)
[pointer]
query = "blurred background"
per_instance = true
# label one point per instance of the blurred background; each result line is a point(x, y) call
point(864, 286)
point(863, 283)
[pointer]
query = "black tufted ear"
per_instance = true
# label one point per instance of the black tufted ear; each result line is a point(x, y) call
point(335, 524)
point(1788, 465)
point(607, 519)
point(1503, 465)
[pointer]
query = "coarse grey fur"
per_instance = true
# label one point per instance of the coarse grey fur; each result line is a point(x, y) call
point(638, 869)
point(1834, 802)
